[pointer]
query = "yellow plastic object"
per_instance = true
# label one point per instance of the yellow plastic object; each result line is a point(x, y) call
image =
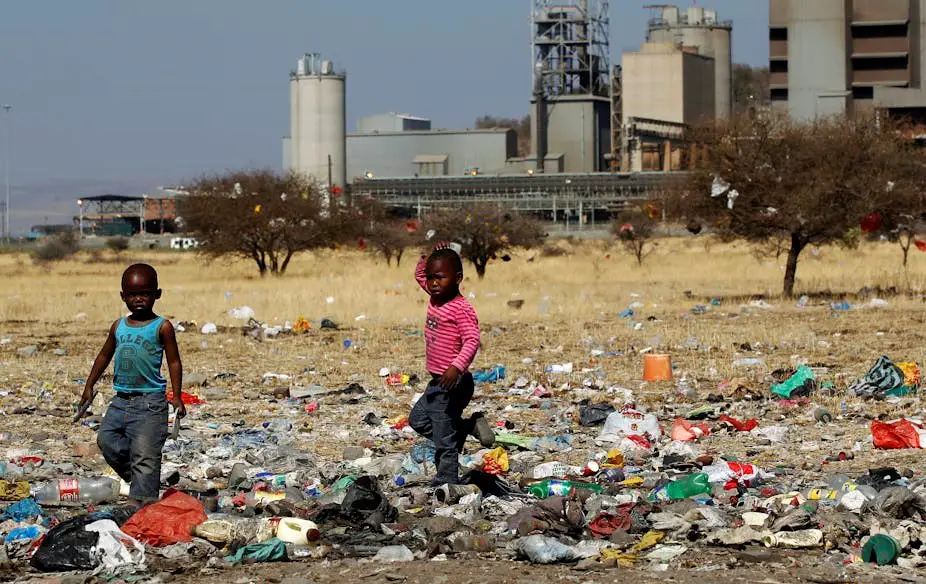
point(650, 539)
point(496, 461)
point(623, 560)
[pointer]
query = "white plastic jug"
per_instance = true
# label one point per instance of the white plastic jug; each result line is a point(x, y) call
point(297, 531)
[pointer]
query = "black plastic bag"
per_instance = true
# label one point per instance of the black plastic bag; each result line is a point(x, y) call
point(366, 504)
point(594, 414)
point(68, 546)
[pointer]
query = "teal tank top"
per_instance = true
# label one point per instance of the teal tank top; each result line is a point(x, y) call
point(139, 352)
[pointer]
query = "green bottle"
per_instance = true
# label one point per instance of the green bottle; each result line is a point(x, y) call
point(696, 484)
point(560, 488)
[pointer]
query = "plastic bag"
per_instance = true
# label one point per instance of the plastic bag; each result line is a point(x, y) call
point(23, 510)
point(594, 414)
point(539, 549)
point(116, 551)
point(903, 433)
point(166, 522)
point(629, 422)
point(747, 426)
point(683, 431)
point(495, 462)
point(801, 384)
point(489, 375)
point(67, 546)
point(365, 503)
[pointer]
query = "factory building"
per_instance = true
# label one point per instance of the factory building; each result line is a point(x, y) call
point(701, 30)
point(429, 153)
point(393, 122)
point(844, 56)
point(668, 83)
point(571, 103)
point(318, 125)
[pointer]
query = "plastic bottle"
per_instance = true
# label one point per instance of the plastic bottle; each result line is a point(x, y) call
point(278, 425)
point(696, 484)
point(558, 488)
point(85, 491)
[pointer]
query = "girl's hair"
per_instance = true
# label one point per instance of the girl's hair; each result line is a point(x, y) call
point(450, 254)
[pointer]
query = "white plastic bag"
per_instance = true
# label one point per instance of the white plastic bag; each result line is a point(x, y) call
point(118, 552)
point(629, 422)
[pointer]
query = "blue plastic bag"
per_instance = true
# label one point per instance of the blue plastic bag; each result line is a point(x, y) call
point(489, 375)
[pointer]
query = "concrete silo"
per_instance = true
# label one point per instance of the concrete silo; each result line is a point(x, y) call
point(318, 121)
point(700, 28)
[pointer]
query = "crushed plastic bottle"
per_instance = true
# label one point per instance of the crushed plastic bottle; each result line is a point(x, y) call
point(696, 484)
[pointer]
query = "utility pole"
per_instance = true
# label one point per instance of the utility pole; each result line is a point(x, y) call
point(6, 215)
point(330, 186)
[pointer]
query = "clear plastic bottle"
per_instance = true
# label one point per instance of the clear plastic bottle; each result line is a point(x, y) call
point(278, 425)
point(86, 491)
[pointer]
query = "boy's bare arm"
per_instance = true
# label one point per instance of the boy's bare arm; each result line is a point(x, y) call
point(174, 365)
point(100, 364)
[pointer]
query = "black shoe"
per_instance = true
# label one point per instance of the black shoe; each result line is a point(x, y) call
point(482, 431)
point(441, 482)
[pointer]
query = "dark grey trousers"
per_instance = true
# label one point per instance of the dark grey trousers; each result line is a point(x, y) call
point(437, 415)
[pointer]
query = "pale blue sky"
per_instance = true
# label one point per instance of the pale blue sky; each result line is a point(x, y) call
point(120, 95)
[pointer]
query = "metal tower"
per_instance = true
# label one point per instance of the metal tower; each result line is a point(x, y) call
point(571, 47)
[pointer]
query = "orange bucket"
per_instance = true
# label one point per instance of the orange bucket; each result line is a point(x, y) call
point(657, 367)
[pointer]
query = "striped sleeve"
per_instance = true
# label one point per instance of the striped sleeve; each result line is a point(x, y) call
point(468, 326)
point(421, 273)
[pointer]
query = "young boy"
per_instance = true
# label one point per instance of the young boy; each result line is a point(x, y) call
point(451, 342)
point(134, 428)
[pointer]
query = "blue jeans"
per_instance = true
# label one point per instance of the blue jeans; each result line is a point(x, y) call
point(437, 415)
point(131, 437)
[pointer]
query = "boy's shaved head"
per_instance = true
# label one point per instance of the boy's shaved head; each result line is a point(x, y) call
point(143, 272)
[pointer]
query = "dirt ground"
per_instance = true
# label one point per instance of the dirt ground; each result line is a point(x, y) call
point(574, 321)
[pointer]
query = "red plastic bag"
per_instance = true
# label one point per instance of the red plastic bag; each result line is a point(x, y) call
point(191, 400)
point(683, 431)
point(166, 522)
point(871, 223)
point(747, 426)
point(896, 435)
point(920, 245)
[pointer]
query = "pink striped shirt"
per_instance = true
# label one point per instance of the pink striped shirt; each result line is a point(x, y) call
point(451, 332)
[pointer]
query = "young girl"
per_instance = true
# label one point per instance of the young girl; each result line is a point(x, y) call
point(134, 428)
point(451, 342)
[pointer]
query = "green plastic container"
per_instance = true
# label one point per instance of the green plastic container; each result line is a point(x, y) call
point(881, 549)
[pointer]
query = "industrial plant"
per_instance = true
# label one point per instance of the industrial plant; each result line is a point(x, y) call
point(601, 135)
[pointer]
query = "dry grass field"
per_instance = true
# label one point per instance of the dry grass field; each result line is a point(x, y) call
point(571, 306)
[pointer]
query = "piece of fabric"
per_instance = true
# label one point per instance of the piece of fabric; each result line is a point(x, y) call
point(883, 377)
point(13, 490)
point(272, 550)
point(138, 357)
point(131, 437)
point(451, 332)
point(437, 415)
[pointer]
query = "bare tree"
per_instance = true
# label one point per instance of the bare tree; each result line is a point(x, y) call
point(484, 230)
point(263, 216)
point(522, 126)
point(385, 233)
point(635, 229)
point(766, 177)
